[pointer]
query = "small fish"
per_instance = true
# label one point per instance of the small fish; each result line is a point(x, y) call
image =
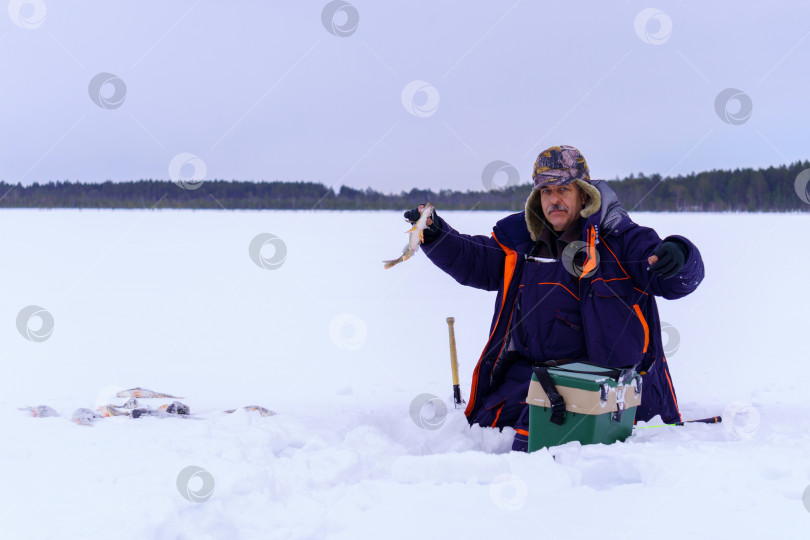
point(111, 410)
point(179, 410)
point(416, 237)
point(40, 411)
point(143, 393)
point(176, 408)
point(130, 404)
point(85, 417)
point(255, 408)
point(147, 411)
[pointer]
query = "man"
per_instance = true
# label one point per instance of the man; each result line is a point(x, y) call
point(576, 279)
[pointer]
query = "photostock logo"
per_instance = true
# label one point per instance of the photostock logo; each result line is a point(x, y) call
point(27, 14)
point(741, 419)
point(187, 170)
point(420, 98)
point(36, 334)
point(673, 340)
point(744, 106)
point(348, 331)
point(201, 477)
point(653, 26)
point(802, 185)
point(108, 395)
point(508, 492)
point(259, 243)
point(428, 411)
point(499, 169)
point(575, 259)
point(332, 14)
point(100, 88)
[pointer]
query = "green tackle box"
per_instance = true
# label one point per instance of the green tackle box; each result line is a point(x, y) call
point(600, 406)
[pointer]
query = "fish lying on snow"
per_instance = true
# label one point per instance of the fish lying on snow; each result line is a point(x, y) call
point(143, 393)
point(416, 237)
point(40, 411)
point(85, 417)
point(255, 408)
point(132, 409)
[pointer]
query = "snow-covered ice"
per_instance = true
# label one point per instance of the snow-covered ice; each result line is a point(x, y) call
point(340, 348)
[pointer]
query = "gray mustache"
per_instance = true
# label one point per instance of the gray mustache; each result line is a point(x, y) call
point(554, 207)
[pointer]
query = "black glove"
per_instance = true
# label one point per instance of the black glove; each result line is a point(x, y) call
point(430, 233)
point(671, 257)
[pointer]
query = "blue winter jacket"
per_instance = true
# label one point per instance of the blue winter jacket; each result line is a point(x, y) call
point(536, 304)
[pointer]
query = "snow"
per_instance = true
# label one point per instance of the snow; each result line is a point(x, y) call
point(340, 349)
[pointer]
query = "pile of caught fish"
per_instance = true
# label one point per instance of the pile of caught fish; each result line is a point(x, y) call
point(133, 409)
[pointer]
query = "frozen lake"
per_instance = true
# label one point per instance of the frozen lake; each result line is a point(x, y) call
point(339, 347)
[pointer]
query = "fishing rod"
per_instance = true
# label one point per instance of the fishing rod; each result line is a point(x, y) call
point(710, 420)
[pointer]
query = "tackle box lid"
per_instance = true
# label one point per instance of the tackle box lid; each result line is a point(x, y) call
point(585, 376)
point(583, 392)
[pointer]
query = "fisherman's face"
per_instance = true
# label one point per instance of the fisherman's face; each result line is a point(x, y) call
point(562, 204)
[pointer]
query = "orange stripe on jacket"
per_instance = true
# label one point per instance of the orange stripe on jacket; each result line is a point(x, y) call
point(497, 415)
point(522, 432)
point(672, 390)
point(590, 264)
point(508, 272)
point(508, 269)
point(561, 285)
point(611, 279)
point(615, 257)
point(644, 324)
point(622, 267)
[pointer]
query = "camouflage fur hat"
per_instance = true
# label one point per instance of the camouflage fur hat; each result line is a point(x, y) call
point(559, 166)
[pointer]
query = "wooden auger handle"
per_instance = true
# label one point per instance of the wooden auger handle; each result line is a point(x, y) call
point(454, 363)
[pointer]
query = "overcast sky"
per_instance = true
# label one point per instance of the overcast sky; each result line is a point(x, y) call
point(395, 95)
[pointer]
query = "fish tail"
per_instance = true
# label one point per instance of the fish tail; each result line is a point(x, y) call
point(389, 264)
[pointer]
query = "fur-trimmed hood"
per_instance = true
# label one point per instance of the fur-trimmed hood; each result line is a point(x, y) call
point(601, 198)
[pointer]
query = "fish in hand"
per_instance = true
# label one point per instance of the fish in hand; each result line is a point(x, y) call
point(416, 237)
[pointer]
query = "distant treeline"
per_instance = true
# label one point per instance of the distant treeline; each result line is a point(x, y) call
point(771, 189)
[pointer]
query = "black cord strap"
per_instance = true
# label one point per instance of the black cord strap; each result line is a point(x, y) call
point(554, 397)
